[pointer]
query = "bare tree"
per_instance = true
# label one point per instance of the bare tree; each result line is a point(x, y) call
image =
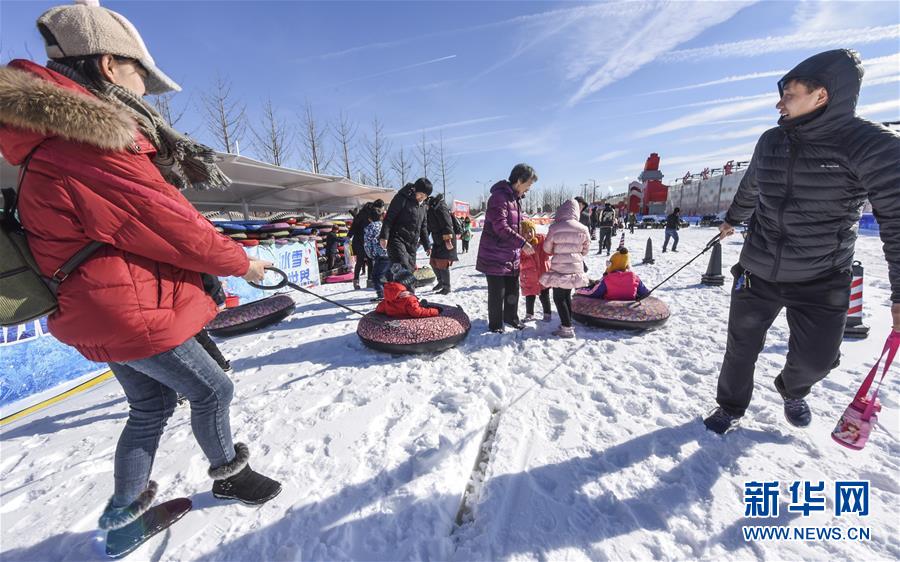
point(225, 118)
point(163, 104)
point(344, 133)
point(272, 138)
point(314, 153)
point(402, 166)
point(376, 152)
point(424, 153)
point(446, 163)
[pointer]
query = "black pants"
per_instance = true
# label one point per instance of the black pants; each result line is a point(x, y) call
point(503, 300)
point(465, 246)
point(210, 346)
point(631, 228)
point(545, 302)
point(563, 300)
point(402, 254)
point(606, 234)
point(816, 312)
point(362, 264)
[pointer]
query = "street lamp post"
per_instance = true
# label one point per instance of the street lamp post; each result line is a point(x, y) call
point(593, 190)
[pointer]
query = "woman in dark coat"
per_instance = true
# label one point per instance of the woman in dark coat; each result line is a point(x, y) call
point(404, 227)
point(500, 247)
point(443, 238)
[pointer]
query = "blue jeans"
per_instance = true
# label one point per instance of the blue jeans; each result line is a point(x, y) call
point(150, 385)
point(379, 270)
point(673, 234)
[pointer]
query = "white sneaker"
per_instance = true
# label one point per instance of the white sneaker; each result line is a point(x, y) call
point(565, 332)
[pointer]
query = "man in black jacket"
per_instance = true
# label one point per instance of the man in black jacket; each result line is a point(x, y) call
point(805, 188)
point(443, 237)
point(607, 222)
point(404, 227)
point(673, 222)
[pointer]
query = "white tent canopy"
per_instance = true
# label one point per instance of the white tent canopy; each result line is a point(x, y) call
point(257, 186)
point(266, 187)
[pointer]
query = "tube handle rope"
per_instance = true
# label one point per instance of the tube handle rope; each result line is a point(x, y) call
point(710, 244)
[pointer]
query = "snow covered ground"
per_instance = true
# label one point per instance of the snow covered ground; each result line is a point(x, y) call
point(599, 452)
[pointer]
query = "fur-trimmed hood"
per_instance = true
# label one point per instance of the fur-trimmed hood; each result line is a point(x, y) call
point(37, 103)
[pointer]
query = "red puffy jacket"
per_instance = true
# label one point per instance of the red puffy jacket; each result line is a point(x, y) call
point(91, 177)
point(400, 303)
point(532, 267)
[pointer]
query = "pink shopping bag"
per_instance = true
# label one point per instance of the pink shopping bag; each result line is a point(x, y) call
point(853, 429)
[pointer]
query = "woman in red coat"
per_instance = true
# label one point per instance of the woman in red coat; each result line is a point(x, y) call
point(102, 165)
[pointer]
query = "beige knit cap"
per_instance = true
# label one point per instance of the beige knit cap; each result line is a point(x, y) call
point(86, 28)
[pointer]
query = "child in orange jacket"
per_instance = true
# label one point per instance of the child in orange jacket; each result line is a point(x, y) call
point(400, 300)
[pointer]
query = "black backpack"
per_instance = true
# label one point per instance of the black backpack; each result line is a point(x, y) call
point(25, 294)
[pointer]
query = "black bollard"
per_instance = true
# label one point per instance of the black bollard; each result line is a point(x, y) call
point(854, 328)
point(648, 254)
point(713, 275)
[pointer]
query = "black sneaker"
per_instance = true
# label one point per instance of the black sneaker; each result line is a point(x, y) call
point(498, 330)
point(247, 486)
point(721, 422)
point(796, 411)
point(518, 325)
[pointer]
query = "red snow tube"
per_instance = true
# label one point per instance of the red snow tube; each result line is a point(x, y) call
point(343, 278)
point(414, 335)
point(623, 315)
point(251, 316)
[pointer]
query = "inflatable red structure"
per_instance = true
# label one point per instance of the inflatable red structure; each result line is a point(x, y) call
point(654, 192)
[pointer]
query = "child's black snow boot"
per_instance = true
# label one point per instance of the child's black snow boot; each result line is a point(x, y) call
point(237, 481)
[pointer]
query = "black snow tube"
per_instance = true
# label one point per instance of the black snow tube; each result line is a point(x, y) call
point(620, 315)
point(414, 335)
point(424, 276)
point(251, 316)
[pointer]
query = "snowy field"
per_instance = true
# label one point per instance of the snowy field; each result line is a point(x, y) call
point(599, 452)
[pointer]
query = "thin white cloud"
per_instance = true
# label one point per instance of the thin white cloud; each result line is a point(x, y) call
point(698, 161)
point(826, 15)
point(771, 118)
point(632, 51)
point(731, 135)
point(714, 113)
point(459, 138)
point(612, 155)
point(448, 126)
point(798, 41)
point(394, 70)
point(726, 80)
point(879, 107)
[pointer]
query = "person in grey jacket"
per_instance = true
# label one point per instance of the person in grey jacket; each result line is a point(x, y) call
point(803, 194)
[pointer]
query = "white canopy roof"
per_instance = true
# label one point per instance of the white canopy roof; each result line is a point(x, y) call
point(257, 186)
point(260, 186)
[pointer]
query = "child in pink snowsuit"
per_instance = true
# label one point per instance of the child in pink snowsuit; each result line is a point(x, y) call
point(619, 283)
point(567, 243)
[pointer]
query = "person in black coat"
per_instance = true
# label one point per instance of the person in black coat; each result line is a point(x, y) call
point(805, 188)
point(361, 219)
point(404, 226)
point(607, 223)
point(673, 223)
point(441, 225)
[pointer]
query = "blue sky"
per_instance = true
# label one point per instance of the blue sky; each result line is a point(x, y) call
point(579, 90)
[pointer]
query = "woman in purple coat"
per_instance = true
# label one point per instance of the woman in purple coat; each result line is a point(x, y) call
point(500, 247)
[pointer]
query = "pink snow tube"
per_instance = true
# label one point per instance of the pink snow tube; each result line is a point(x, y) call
point(251, 316)
point(343, 278)
point(414, 335)
point(628, 315)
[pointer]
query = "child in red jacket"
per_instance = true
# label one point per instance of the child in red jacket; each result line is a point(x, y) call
point(619, 283)
point(530, 270)
point(400, 300)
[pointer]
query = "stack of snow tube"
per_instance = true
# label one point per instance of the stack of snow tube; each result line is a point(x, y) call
point(424, 276)
point(251, 316)
point(626, 315)
point(257, 232)
point(414, 335)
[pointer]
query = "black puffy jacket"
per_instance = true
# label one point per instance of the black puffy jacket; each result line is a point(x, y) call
point(440, 224)
point(810, 177)
point(404, 224)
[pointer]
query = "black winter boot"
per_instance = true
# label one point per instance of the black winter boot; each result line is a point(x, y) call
point(237, 481)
